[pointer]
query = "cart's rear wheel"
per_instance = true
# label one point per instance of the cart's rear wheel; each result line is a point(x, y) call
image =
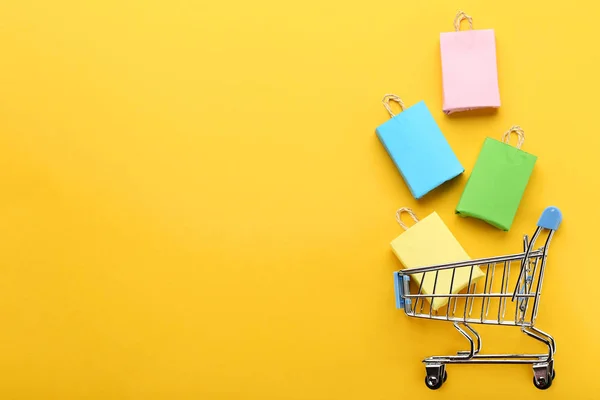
point(434, 383)
point(543, 384)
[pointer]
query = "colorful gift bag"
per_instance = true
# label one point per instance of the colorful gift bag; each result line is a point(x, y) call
point(429, 242)
point(417, 147)
point(469, 71)
point(498, 181)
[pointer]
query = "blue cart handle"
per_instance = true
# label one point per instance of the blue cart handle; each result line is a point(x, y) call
point(550, 219)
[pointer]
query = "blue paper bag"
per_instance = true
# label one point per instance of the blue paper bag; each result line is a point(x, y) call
point(418, 148)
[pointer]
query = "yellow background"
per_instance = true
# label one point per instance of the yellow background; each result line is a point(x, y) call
point(195, 205)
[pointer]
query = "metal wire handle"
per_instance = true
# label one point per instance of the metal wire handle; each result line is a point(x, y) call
point(386, 103)
point(460, 16)
point(410, 212)
point(520, 133)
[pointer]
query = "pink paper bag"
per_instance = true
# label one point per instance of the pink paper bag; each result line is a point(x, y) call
point(469, 71)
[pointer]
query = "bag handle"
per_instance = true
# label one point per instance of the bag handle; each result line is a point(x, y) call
point(408, 211)
point(520, 133)
point(460, 16)
point(386, 103)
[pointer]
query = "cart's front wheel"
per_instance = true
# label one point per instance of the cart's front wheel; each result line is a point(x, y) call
point(433, 382)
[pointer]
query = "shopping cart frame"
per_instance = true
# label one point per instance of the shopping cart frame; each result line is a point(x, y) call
point(524, 296)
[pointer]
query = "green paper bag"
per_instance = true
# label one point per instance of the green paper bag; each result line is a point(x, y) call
point(498, 181)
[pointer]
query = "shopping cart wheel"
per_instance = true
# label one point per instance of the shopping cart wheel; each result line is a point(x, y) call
point(434, 383)
point(542, 383)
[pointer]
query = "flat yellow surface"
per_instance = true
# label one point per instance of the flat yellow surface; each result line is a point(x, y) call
point(195, 205)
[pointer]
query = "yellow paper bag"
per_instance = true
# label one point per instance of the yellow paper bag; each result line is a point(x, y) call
point(429, 242)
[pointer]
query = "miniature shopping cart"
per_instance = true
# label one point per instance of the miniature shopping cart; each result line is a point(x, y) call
point(503, 298)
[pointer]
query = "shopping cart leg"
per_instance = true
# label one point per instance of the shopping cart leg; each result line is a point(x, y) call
point(477, 337)
point(546, 335)
point(543, 372)
point(435, 366)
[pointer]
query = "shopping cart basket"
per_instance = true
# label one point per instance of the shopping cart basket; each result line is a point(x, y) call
point(507, 299)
